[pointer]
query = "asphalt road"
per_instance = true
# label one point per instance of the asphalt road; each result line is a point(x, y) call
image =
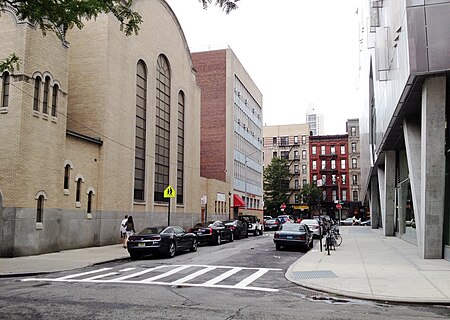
point(239, 280)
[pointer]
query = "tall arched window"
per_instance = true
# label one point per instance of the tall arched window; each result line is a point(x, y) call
point(40, 208)
point(78, 193)
point(55, 99)
point(180, 151)
point(37, 92)
point(66, 176)
point(162, 141)
point(89, 203)
point(46, 91)
point(5, 90)
point(140, 140)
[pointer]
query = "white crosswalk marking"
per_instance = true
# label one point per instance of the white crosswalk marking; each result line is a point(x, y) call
point(168, 273)
point(83, 274)
point(222, 277)
point(252, 278)
point(133, 275)
point(193, 275)
point(231, 274)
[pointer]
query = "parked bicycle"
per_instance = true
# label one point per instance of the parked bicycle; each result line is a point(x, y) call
point(334, 231)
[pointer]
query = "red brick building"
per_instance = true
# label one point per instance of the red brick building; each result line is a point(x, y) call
point(328, 163)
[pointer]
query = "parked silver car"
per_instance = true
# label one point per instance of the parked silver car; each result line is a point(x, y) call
point(314, 226)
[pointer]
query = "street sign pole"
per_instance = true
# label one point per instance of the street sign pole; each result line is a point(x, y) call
point(168, 213)
point(169, 192)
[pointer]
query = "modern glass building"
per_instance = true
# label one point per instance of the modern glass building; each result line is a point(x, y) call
point(404, 74)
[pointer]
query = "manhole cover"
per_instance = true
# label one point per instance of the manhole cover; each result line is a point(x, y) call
point(299, 275)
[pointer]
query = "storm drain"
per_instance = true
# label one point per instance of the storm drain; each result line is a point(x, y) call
point(301, 275)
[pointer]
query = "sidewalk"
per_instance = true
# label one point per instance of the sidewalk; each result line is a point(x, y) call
point(60, 261)
point(371, 266)
point(367, 266)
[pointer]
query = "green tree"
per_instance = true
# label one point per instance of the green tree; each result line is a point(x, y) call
point(311, 195)
point(57, 16)
point(276, 182)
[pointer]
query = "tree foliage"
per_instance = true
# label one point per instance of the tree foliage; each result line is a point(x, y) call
point(59, 15)
point(311, 195)
point(226, 5)
point(276, 182)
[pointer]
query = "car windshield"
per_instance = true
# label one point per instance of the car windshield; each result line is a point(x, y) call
point(202, 225)
point(152, 230)
point(310, 221)
point(291, 227)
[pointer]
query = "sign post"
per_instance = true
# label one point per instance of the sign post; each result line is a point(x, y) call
point(169, 192)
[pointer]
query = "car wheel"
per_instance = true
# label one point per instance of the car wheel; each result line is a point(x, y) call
point(311, 244)
point(246, 234)
point(261, 232)
point(134, 256)
point(231, 237)
point(194, 245)
point(172, 250)
point(218, 240)
point(255, 233)
point(277, 246)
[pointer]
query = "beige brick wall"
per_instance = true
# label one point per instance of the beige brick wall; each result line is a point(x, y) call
point(97, 99)
point(32, 145)
point(103, 77)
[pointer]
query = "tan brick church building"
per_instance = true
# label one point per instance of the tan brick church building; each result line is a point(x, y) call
point(95, 125)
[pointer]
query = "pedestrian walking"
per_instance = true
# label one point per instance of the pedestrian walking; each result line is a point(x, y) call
point(129, 229)
point(123, 231)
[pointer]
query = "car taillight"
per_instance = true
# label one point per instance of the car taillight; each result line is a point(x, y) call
point(302, 237)
point(276, 235)
point(190, 230)
point(232, 228)
point(276, 222)
point(210, 230)
point(156, 238)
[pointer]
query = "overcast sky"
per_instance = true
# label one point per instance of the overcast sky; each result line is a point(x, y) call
point(298, 53)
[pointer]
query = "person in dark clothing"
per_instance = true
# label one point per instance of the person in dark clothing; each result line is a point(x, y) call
point(129, 228)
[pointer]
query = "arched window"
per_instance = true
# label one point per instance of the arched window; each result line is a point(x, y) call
point(66, 176)
point(89, 203)
point(46, 91)
point(162, 139)
point(78, 193)
point(5, 90)
point(37, 92)
point(140, 139)
point(40, 208)
point(55, 99)
point(180, 151)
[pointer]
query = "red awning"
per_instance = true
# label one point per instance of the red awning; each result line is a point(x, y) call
point(238, 201)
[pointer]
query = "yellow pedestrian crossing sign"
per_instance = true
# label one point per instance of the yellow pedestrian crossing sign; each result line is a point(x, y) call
point(169, 192)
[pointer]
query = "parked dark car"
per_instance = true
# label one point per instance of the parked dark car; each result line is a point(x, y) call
point(238, 227)
point(161, 240)
point(213, 232)
point(272, 224)
point(293, 235)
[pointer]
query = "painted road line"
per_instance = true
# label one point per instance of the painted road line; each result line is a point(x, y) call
point(250, 279)
point(136, 274)
point(193, 275)
point(222, 277)
point(168, 273)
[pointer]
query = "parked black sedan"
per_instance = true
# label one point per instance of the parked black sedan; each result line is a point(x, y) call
point(213, 232)
point(161, 240)
point(293, 235)
point(238, 227)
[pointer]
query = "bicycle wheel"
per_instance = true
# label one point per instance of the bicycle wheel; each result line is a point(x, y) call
point(338, 239)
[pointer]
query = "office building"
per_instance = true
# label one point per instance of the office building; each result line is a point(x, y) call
point(404, 128)
point(231, 129)
point(315, 121)
point(354, 170)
